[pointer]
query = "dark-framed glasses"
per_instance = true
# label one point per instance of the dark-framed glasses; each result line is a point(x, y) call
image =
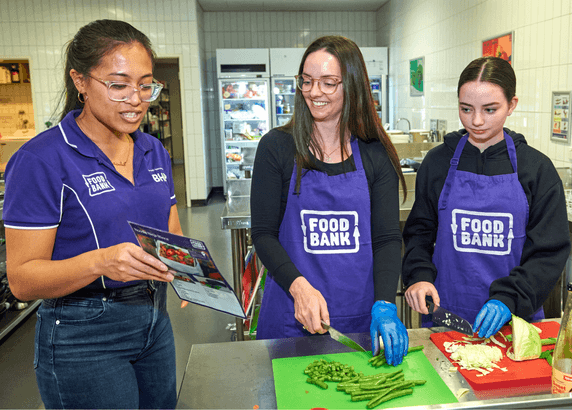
point(328, 85)
point(118, 91)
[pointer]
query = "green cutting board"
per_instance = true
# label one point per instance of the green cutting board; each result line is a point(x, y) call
point(292, 391)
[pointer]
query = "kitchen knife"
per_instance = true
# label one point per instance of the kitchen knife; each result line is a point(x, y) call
point(445, 318)
point(340, 337)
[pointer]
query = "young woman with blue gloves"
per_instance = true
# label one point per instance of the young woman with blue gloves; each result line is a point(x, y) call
point(487, 236)
point(103, 334)
point(325, 208)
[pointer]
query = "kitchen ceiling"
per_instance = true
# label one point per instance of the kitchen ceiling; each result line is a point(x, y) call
point(291, 5)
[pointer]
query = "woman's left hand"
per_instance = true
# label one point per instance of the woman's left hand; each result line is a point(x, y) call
point(385, 323)
point(310, 307)
point(492, 316)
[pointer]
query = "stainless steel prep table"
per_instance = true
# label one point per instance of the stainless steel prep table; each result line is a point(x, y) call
point(239, 375)
point(236, 217)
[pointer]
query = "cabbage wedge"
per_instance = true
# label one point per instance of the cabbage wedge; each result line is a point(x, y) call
point(526, 344)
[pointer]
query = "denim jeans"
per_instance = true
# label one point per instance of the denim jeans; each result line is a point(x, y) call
point(109, 349)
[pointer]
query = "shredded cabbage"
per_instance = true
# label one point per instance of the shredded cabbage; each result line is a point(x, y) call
point(477, 357)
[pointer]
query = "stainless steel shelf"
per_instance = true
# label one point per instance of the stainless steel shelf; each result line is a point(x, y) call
point(12, 318)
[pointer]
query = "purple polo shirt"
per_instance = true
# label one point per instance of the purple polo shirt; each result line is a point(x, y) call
point(61, 179)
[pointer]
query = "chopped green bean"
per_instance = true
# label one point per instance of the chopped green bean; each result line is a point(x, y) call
point(317, 382)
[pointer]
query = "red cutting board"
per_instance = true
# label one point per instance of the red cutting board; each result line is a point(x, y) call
point(292, 391)
point(519, 374)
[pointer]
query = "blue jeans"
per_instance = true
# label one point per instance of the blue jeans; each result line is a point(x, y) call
point(109, 349)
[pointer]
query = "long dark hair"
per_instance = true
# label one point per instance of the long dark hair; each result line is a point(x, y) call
point(358, 110)
point(493, 70)
point(90, 44)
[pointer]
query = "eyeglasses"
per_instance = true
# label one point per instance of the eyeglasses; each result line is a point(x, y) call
point(117, 91)
point(327, 85)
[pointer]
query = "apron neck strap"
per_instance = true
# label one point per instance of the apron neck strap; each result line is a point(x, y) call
point(509, 146)
point(356, 154)
point(511, 151)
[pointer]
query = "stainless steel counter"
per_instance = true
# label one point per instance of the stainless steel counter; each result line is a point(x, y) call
point(238, 375)
point(236, 213)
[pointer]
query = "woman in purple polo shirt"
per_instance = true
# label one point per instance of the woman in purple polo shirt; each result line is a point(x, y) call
point(487, 235)
point(325, 208)
point(103, 335)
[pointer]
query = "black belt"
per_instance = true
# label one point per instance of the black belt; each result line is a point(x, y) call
point(111, 293)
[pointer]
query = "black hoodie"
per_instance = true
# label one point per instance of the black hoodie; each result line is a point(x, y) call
point(547, 244)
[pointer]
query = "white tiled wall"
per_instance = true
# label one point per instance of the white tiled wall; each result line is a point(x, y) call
point(38, 29)
point(449, 33)
point(270, 30)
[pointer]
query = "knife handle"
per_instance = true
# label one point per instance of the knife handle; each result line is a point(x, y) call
point(430, 305)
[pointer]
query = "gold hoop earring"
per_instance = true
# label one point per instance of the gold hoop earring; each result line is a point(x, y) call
point(79, 98)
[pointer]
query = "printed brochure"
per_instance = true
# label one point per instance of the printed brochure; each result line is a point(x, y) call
point(197, 279)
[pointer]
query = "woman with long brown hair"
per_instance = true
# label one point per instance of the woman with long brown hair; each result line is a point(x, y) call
point(325, 208)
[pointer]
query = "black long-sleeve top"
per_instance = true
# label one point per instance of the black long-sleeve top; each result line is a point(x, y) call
point(272, 172)
point(547, 243)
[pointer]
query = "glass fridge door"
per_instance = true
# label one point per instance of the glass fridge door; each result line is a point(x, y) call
point(283, 92)
point(375, 83)
point(244, 120)
point(379, 97)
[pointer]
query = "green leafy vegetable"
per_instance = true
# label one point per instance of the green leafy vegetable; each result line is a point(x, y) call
point(526, 343)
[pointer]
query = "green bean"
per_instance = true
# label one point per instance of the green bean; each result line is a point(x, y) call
point(379, 375)
point(373, 386)
point(382, 354)
point(377, 399)
point(373, 358)
point(318, 383)
point(362, 397)
point(396, 377)
point(383, 398)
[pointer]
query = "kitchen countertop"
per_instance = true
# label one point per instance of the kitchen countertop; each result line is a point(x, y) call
point(238, 375)
point(236, 212)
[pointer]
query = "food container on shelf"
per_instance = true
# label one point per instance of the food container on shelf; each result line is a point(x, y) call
point(419, 135)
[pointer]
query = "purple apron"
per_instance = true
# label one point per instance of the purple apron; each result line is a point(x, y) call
point(481, 233)
point(326, 231)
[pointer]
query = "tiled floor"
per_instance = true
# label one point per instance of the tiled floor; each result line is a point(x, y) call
point(192, 325)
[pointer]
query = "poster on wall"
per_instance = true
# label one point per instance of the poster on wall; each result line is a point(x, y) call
point(560, 128)
point(500, 46)
point(416, 76)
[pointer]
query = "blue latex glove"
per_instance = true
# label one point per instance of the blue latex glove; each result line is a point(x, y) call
point(493, 315)
point(385, 323)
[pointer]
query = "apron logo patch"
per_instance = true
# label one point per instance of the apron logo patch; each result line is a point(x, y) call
point(482, 232)
point(330, 231)
point(158, 175)
point(97, 183)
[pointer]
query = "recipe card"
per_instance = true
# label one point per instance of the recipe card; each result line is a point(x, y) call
point(197, 279)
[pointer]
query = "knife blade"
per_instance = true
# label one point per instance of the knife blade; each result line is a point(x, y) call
point(340, 337)
point(445, 318)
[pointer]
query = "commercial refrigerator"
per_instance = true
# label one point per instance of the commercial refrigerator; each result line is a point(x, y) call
point(284, 65)
point(377, 67)
point(243, 81)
